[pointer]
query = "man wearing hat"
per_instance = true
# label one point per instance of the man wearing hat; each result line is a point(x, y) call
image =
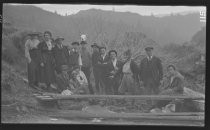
point(151, 72)
point(33, 55)
point(95, 58)
point(74, 55)
point(86, 62)
point(102, 61)
point(60, 53)
point(63, 79)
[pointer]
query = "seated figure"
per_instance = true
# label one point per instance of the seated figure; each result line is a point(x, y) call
point(174, 87)
point(78, 82)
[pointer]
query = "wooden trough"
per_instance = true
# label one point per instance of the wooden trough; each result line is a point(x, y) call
point(177, 117)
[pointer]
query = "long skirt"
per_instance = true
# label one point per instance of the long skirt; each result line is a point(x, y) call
point(128, 85)
point(33, 73)
point(47, 72)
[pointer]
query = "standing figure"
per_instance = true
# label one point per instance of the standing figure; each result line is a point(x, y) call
point(102, 61)
point(32, 53)
point(129, 84)
point(86, 62)
point(74, 56)
point(113, 73)
point(61, 54)
point(47, 70)
point(151, 72)
point(95, 58)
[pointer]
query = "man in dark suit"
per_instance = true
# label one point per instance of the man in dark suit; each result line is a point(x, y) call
point(86, 63)
point(74, 56)
point(113, 73)
point(61, 54)
point(95, 58)
point(151, 72)
point(102, 61)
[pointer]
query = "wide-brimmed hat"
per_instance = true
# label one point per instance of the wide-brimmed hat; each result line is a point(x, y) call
point(95, 45)
point(149, 48)
point(59, 38)
point(75, 43)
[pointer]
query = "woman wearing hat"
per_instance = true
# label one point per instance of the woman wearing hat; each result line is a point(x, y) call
point(47, 61)
point(32, 54)
point(129, 84)
point(60, 53)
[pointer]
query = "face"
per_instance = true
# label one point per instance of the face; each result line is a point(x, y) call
point(47, 36)
point(113, 55)
point(171, 71)
point(127, 57)
point(95, 49)
point(60, 42)
point(149, 52)
point(65, 74)
point(103, 51)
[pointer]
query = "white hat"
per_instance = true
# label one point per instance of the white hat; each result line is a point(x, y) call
point(83, 37)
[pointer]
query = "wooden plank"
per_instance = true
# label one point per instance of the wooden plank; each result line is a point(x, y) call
point(140, 97)
point(81, 114)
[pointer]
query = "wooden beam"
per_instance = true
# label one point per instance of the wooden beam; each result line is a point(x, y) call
point(82, 114)
point(140, 97)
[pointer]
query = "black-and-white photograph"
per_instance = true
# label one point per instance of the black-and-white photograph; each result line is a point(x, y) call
point(103, 64)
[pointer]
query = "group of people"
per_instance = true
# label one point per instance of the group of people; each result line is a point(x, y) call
point(67, 70)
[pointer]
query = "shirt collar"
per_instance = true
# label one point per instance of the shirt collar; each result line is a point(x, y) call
point(149, 58)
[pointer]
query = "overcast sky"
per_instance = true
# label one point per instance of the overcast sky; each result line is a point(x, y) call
point(143, 10)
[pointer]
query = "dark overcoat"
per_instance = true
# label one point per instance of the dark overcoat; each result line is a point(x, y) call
point(112, 84)
point(47, 72)
point(151, 70)
point(61, 56)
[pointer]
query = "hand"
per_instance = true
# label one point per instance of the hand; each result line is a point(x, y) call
point(42, 64)
point(112, 72)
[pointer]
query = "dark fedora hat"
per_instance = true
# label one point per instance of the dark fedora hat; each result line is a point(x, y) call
point(59, 38)
point(149, 48)
point(75, 43)
point(95, 45)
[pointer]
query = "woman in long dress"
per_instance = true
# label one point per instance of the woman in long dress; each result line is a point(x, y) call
point(129, 84)
point(47, 66)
